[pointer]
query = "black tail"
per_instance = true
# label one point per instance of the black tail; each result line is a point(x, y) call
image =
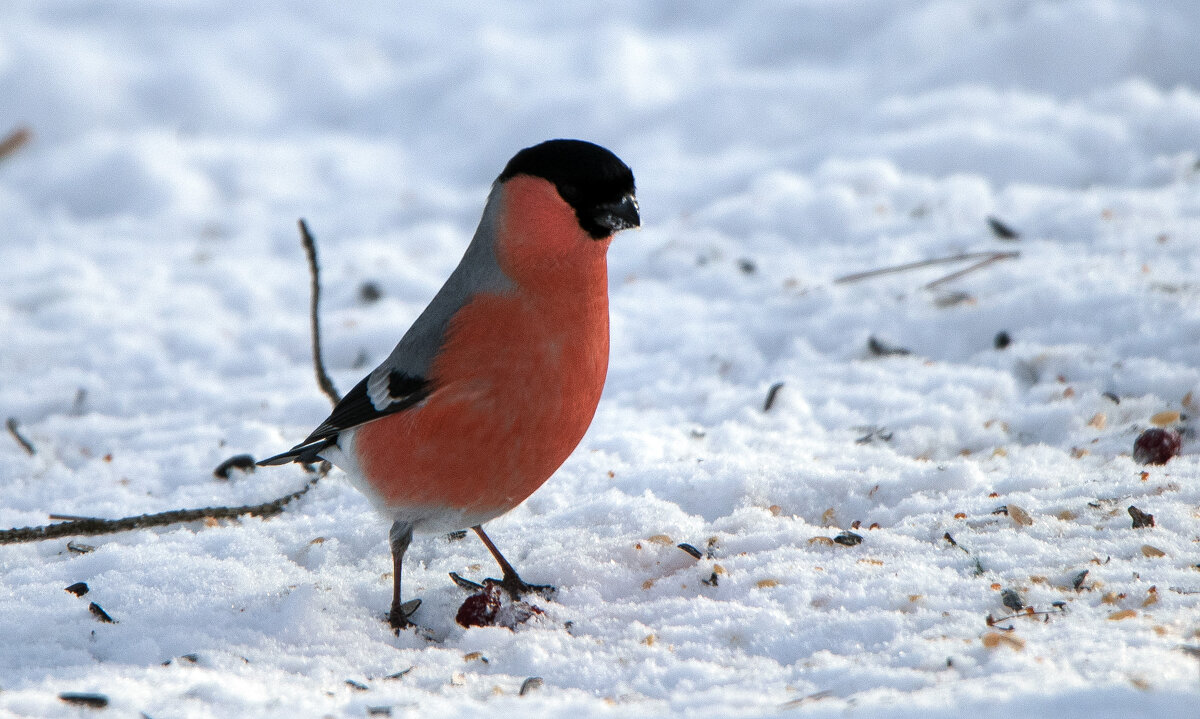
point(303, 453)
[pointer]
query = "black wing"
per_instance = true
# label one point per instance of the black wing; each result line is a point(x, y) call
point(357, 407)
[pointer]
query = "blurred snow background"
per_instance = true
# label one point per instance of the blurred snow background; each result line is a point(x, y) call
point(154, 301)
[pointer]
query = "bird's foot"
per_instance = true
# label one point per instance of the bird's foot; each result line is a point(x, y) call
point(398, 617)
point(517, 587)
point(511, 583)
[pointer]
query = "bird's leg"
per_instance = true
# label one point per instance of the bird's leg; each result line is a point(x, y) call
point(511, 581)
point(399, 538)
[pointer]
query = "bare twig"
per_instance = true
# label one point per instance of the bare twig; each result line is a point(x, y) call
point(89, 526)
point(310, 251)
point(14, 141)
point(979, 570)
point(772, 393)
point(77, 525)
point(990, 256)
point(11, 423)
point(978, 265)
point(1029, 613)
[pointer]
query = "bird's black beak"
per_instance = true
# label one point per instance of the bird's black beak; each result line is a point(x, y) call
point(620, 215)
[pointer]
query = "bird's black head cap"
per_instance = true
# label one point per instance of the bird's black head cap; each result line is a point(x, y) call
point(594, 181)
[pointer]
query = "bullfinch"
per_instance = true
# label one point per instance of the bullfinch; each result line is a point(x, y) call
point(494, 385)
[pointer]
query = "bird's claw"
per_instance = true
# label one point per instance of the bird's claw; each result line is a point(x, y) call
point(513, 584)
point(464, 583)
point(517, 587)
point(398, 616)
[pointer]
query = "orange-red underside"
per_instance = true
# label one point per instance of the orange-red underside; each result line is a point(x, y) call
point(518, 378)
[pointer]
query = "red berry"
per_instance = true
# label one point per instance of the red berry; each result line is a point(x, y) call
point(1156, 446)
point(480, 610)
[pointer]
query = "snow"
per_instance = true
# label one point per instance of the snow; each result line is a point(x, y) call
point(154, 311)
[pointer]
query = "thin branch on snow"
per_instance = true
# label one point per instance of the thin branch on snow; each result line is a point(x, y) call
point(1029, 613)
point(986, 257)
point(91, 526)
point(978, 265)
point(26, 445)
point(77, 526)
point(979, 570)
point(772, 393)
point(314, 274)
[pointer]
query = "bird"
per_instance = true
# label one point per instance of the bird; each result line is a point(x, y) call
point(496, 382)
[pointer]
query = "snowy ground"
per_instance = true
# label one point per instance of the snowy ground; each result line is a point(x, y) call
point(153, 311)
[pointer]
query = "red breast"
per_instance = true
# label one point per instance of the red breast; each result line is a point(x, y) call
point(518, 377)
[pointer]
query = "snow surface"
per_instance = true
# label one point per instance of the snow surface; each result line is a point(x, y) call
point(154, 316)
